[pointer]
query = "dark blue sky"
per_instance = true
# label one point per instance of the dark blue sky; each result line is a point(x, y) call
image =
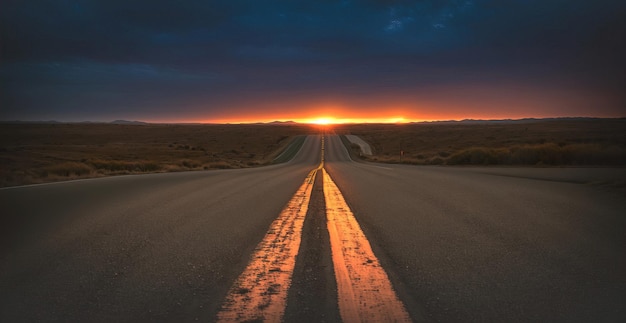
point(248, 60)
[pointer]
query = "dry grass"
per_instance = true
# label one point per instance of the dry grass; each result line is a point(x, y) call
point(36, 153)
point(542, 142)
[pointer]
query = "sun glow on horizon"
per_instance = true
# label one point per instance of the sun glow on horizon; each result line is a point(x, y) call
point(323, 114)
point(323, 121)
point(333, 120)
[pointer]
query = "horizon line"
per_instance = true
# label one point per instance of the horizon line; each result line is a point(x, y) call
point(313, 121)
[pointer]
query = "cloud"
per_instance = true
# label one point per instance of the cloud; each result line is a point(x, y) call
point(143, 55)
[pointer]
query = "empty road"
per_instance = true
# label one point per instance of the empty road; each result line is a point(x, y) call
point(494, 244)
point(457, 244)
point(162, 247)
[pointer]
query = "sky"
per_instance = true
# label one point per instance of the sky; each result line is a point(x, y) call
point(369, 60)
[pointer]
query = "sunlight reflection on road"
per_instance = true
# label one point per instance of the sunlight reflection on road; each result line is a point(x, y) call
point(364, 290)
point(260, 292)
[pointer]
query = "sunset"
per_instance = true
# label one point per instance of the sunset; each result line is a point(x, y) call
point(312, 161)
point(366, 61)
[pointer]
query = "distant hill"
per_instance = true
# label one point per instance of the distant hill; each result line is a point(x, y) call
point(274, 123)
point(126, 122)
point(282, 122)
point(511, 121)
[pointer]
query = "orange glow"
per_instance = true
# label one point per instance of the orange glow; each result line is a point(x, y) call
point(323, 121)
point(364, 291)
point(473, 101)
point(507, 100)
point(260, 292)
point(332, 120)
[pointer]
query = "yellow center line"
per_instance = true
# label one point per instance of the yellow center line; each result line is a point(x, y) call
point(364, 291)
point(363, 287)
point(260, 292)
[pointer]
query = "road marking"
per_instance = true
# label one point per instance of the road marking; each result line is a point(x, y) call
point(364, 291)
point(260, 292)
point(363, 287)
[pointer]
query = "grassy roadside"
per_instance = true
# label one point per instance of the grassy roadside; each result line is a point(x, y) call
point(38, 153)
point(568, 142)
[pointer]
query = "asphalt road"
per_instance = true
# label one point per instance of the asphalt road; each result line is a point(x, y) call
point(494, 244)
point(459, 244)
point(152, 248)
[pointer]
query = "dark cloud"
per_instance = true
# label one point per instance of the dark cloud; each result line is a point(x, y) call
point(108, 59)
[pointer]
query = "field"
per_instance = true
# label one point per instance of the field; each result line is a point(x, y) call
point(37, 153)
point(550, 142)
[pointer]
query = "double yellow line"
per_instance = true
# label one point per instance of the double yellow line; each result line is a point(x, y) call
point(311, 176)
point(364, 291)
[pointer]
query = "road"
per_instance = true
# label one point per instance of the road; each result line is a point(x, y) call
point(162, 247)
point(458, 244)
point(494, 244)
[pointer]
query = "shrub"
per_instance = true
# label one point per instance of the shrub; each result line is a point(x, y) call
point(67, 169)
point(125, 166)
point(190, 163)
point(542, 154)
point(436, 161)
point(221, 165)
point(474, 156)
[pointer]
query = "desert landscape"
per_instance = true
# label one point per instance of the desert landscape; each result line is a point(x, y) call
point(39, 153)
point(313, 161)
point(532, 142)
point(305, 227)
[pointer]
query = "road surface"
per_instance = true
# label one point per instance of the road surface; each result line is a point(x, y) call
point(162, 247)
point(494, 244)
point(458, 244)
